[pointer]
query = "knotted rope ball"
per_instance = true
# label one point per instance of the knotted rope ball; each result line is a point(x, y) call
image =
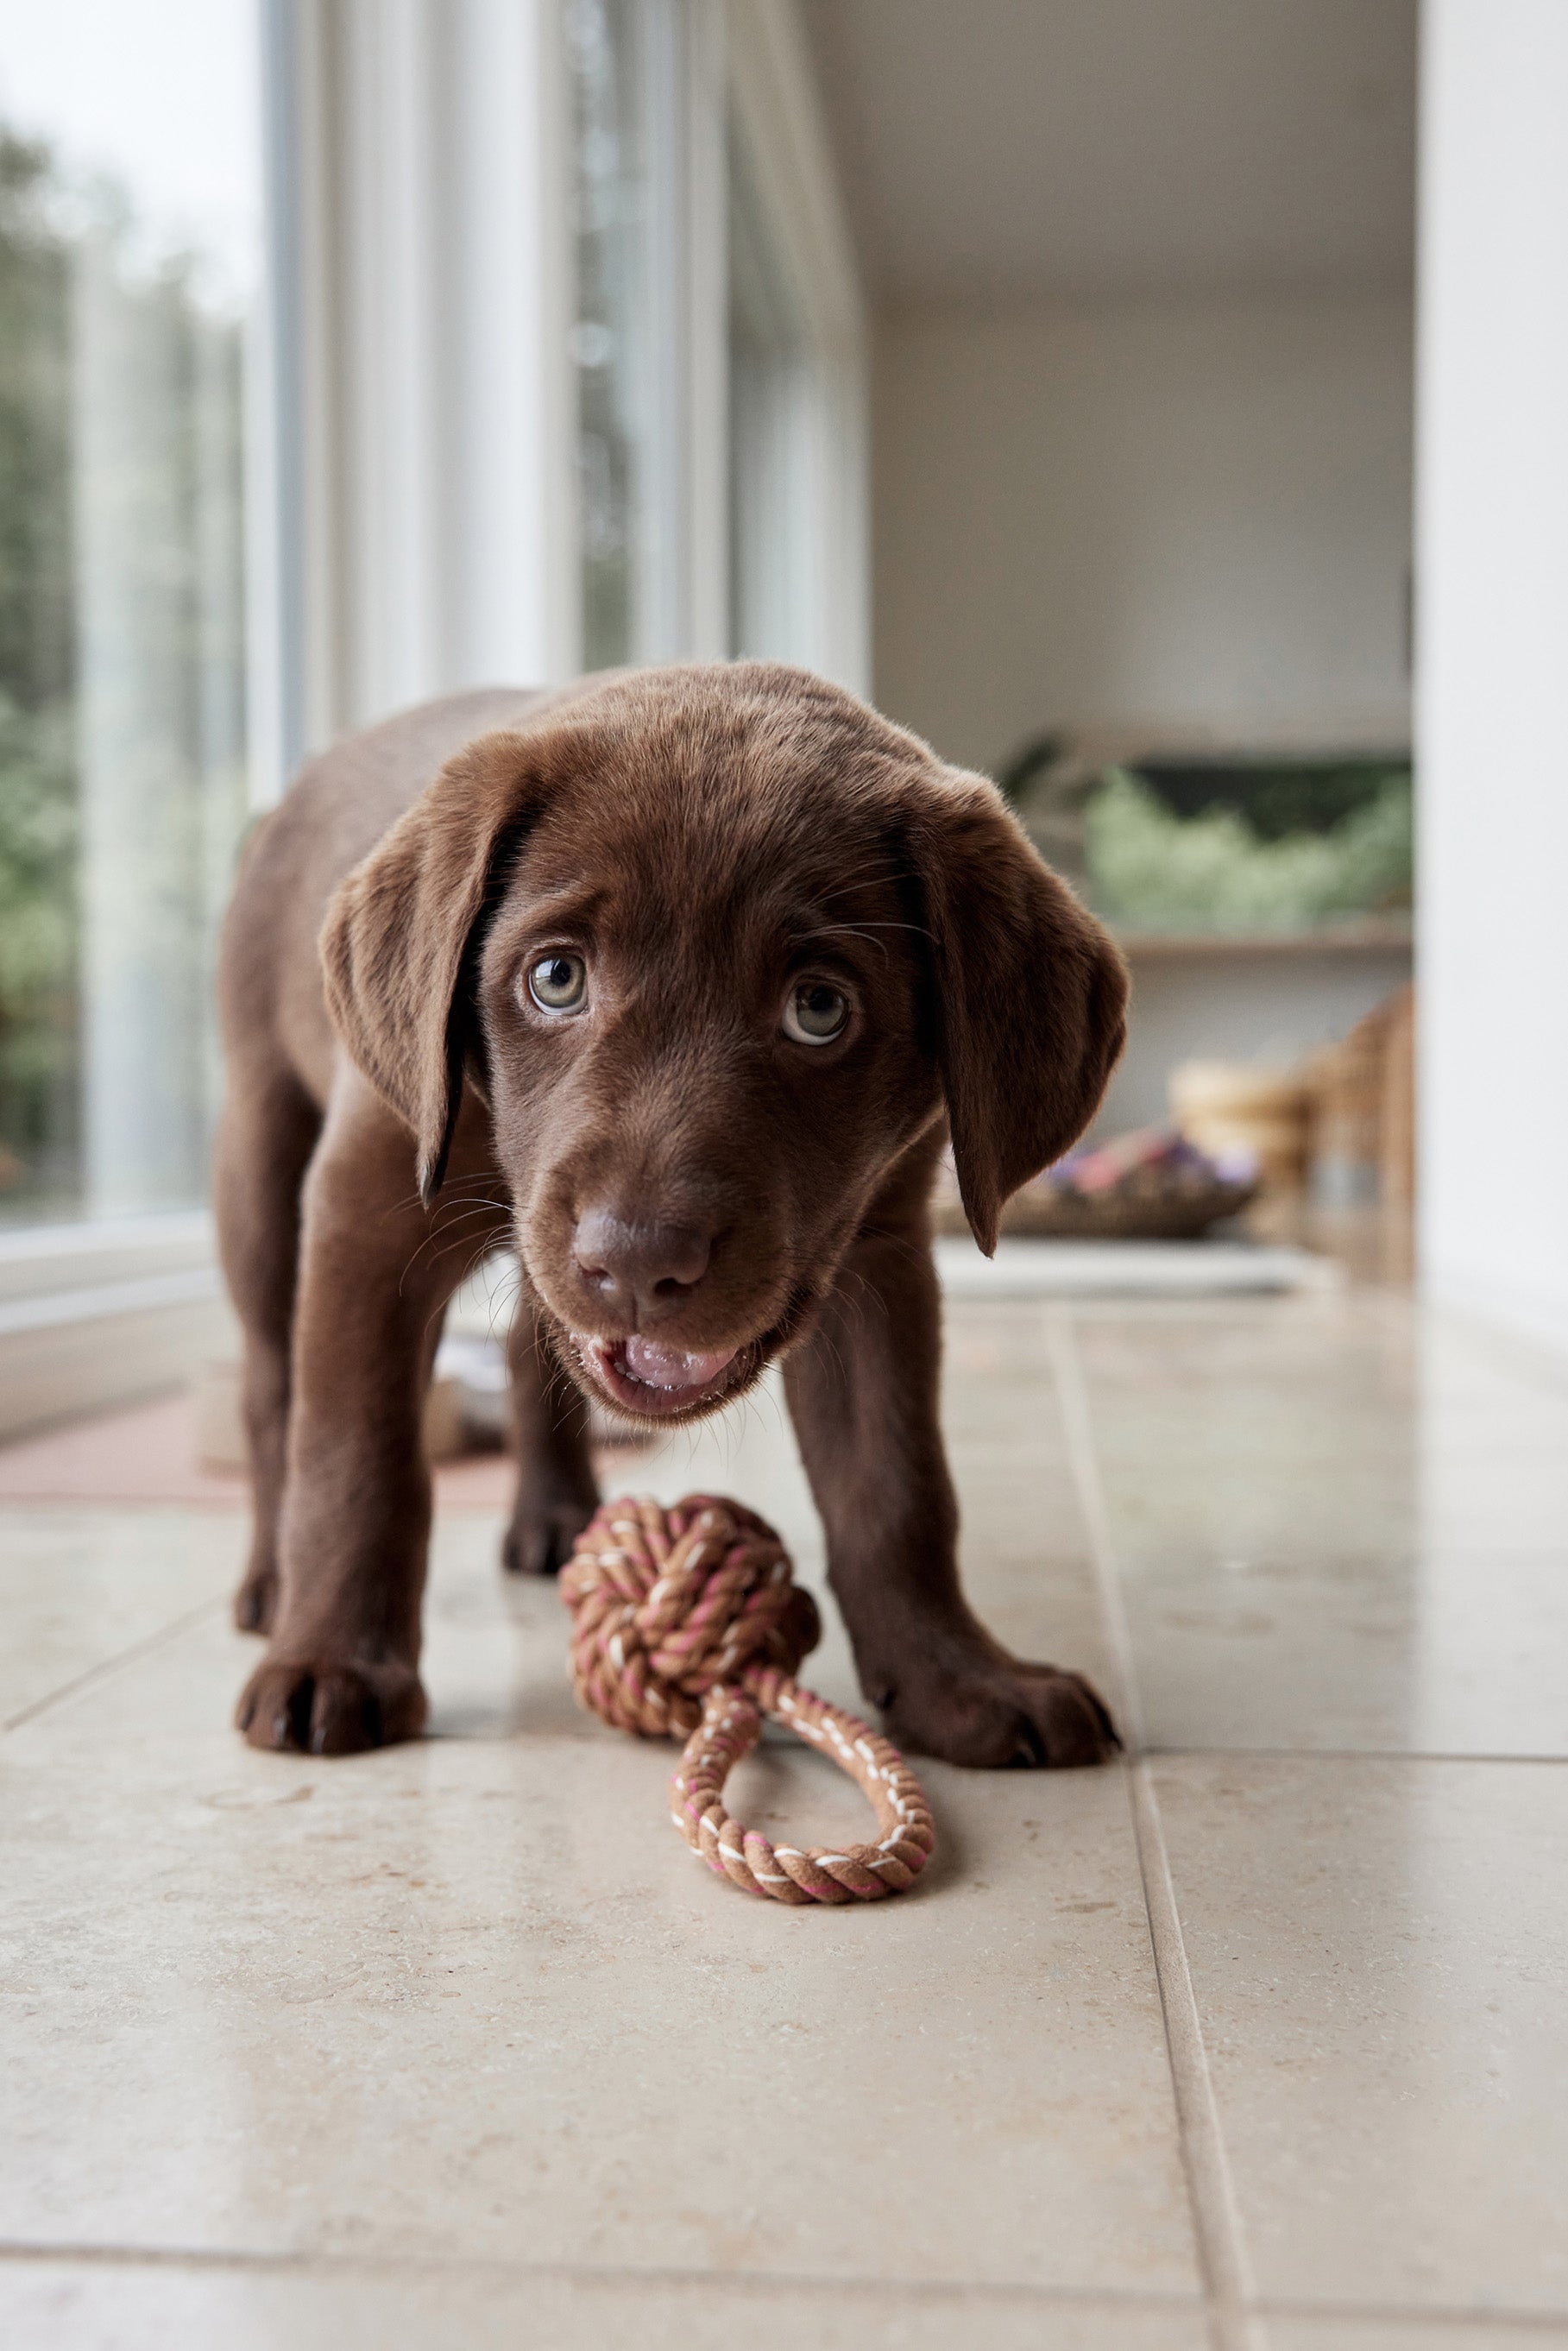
point(685, 1621)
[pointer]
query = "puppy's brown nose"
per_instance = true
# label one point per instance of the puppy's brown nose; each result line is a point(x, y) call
point(636, 1267)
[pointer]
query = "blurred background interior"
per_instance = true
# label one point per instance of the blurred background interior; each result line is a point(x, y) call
point(1048, 374)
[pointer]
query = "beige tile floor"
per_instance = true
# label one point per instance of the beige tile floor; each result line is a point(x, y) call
point(1258, 2040)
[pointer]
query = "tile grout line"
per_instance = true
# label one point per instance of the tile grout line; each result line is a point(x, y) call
point(320, 2264)
point(313, 2265)
point(107, 1666)
point(1356, 1755)
point(1221, 2245)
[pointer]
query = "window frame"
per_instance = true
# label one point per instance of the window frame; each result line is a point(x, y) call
point(410, 494)
point(777, 112)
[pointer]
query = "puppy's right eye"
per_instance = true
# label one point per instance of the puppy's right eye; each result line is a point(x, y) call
point(815, 1013)
point(559, 983)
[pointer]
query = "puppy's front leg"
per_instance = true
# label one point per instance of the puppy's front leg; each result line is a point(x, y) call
point(557, 1494)
point(864, 1396)
point(342, 1671)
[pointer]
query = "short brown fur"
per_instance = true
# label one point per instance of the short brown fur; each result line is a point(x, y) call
point(701, 838)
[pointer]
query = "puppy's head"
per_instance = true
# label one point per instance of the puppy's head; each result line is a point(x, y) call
point(717, 946)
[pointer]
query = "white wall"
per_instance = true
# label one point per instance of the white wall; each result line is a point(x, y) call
point(1190, 519)
point(1492, 712)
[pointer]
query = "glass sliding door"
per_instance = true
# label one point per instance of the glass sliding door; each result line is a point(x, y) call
point(609, 337)
point(716, 345)
point(643, 75)
point(770, 392)
point(129, 263)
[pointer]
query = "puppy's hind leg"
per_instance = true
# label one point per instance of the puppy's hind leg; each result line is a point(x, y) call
point(556, 1493)
point(267, 1132)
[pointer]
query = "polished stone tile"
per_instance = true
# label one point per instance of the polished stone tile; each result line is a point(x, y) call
point(1356, 1425)
point(1445, 2330)
point(1380, 1973)
point(117, 2307)
point(1492, 1444)
point(78, 1588)
point(1279, 1428)
point(1301, 1559)
point(471, 1998)
point(456, 2044)
point(1025, 1550)
point(1433, 1654)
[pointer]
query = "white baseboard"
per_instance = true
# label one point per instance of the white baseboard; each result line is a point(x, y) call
point(1042, 1268)
point(93, 1315)
point(39, 1261)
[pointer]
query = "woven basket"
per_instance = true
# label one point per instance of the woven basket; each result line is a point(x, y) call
point(1149, 1206)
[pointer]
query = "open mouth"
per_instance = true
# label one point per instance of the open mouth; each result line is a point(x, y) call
point(657, 1382)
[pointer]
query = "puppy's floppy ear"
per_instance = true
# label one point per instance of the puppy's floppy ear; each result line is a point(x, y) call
point(1032, 994)
point(402, 932)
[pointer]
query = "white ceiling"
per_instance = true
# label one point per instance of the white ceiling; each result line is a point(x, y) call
point(992, 147)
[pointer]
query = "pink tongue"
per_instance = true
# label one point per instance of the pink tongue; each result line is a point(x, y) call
point(672, 1367)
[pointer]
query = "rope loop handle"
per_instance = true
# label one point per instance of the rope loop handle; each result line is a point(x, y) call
point(688, 1621)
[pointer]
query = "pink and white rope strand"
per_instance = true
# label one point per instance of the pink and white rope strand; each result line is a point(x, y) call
point(686, 1621)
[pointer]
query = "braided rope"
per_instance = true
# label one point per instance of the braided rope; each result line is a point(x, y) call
point(686, 1621)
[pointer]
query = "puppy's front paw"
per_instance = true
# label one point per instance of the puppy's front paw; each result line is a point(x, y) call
point(1000, 1712)
point(256, 1602)
point(544, 1531)
point(330, 1707)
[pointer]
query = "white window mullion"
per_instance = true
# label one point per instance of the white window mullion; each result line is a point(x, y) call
point(664, 599)
point(512, 535)
point(393, 351)
point(815, 607)
point(707, 332)
point(432, 482)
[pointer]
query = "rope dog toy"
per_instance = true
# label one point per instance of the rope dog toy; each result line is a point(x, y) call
point(685, 1621)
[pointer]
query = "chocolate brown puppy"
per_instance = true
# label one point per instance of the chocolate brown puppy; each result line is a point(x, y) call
point(672, 983)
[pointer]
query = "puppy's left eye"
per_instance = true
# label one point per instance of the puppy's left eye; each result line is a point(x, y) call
point(559, 983)
point(815, 1012)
